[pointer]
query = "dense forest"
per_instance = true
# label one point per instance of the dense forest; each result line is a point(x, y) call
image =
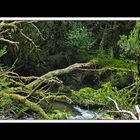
point(69, 70)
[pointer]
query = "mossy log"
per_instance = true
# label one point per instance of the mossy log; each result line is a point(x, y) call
point(58, 72)
point(90, 66)
point(28, 103)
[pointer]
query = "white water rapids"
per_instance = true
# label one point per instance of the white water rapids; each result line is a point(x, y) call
point(84, 114)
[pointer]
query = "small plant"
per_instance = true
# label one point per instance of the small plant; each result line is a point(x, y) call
point(57, 114)
point(5, 85)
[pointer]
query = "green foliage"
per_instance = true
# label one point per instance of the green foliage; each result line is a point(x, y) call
point(3, 51)
point(64, 43)
point(79, 38)
point(88, 97)
point(5, 102)
point(5, 105)
point(76, 41)
point(4, 85)
point(101, 52)
point(57, 114)
point(79, 41)
point(131, 43)
point(115, 63)
point(122, 79)
point(111, 54)
point(22, 111)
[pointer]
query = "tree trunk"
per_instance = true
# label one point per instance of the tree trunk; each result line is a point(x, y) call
point(58, 72)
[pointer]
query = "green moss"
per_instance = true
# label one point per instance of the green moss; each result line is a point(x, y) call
point(94, 61)
point(116, 63)
point(89, 97)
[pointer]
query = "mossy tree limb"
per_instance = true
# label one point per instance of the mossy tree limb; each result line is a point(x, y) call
point(58, 72)
point(28, 103)
point(123, 111)
point(90, 66)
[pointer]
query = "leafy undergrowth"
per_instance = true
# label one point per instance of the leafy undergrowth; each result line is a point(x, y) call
point(91, 98)
point(14, 103)
point(58, 115)
point(53, 115)
point(11, 109)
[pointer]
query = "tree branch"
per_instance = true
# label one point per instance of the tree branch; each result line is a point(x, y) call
point(58, 72)
point(9, 41)
point(28, 103)
point(40, 34)
point(4, 31)
point(28, 39)
point(123, 111)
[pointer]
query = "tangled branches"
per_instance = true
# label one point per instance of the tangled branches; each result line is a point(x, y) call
point(22, 93)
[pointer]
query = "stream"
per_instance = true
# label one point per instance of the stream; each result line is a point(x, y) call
point(84, 114)
point(78, 113)
point(75, 111)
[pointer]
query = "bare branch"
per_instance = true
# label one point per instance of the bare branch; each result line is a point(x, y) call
point(13, 66)
point(28, 39)
point(4, 31)
point(123, 111)
point(9, 41)
point(115, 103)
point(52, 81)
point(58, 72)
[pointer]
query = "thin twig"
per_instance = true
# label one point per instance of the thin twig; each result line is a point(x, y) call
point(4, 31)
point(40, 34)
point(13, 66)
point(28, 39)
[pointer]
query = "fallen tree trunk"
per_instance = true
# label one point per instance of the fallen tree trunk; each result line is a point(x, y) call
point(58, 72)
point(90, 66)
